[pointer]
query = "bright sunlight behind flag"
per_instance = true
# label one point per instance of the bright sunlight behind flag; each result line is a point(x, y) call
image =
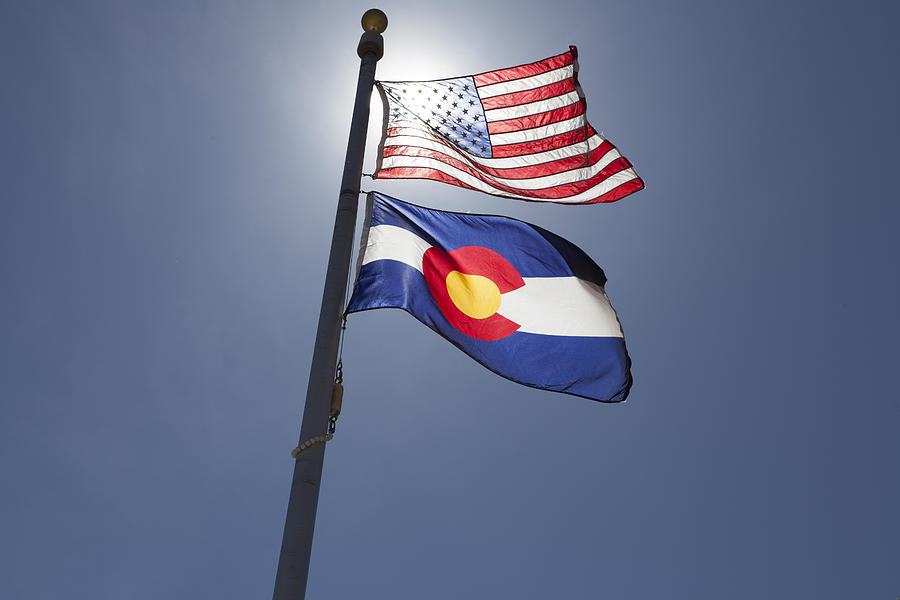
point(523, 302)
point(518, 133)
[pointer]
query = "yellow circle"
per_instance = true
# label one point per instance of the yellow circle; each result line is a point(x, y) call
point(478, 297)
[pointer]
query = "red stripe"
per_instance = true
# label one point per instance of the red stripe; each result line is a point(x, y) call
point(629, 187)
point(535, 68)
point(617, 193)
point(563, 190)
point(538, 120)
point(395, 131)
point(557, 88)
point(422, 173)
point(532, 147)
point(539, 170)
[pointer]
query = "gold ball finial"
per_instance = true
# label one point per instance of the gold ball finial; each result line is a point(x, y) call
point(374, 20)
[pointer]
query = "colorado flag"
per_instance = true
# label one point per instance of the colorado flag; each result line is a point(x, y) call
point(523, 302)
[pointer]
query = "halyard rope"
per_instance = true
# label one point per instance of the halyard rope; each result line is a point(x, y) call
point(320, 439)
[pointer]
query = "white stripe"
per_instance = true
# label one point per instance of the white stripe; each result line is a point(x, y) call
point(608, 184)
point(524, 160)
point(531, 108)
point(526, 83)
point(561, 306)
point(539, 133)
point(544, 305)
point(533, 183)
point(389, 242)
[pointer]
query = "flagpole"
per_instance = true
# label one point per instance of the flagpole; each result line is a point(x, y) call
point(296, 543)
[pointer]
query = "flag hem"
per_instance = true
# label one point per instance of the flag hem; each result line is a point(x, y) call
point(363, 243)
point(386, 109)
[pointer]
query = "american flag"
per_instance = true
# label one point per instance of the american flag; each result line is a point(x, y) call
point(518, 133)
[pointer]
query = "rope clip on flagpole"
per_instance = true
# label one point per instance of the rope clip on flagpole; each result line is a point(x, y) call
point(337, 400)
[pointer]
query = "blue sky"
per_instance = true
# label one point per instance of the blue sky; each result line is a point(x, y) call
point(170, 172)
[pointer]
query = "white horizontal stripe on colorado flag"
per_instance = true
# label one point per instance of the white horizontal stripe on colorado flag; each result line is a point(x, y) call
point(389, 242)
point(561, 306)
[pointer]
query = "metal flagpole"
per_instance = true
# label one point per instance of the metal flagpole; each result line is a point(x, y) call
point(296, 544)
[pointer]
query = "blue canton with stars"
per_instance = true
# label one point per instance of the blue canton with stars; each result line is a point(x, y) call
point(450, 108)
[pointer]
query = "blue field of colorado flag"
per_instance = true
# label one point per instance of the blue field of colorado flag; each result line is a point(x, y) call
point(523, 302)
